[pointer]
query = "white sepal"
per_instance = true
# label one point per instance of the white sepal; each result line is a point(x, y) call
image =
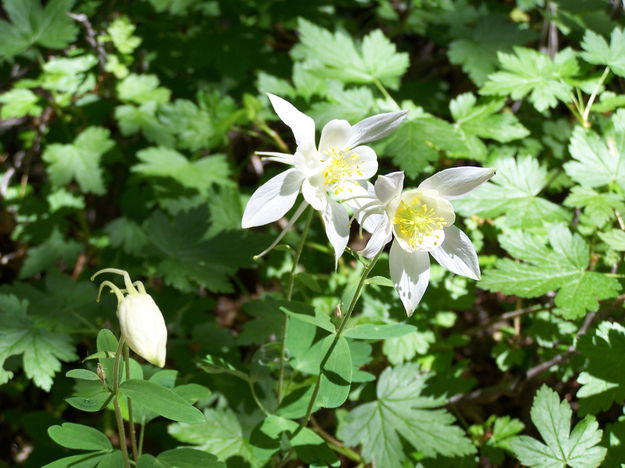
point(410, 273)
point(336, 222)
point(458, 181)
point(457, 254)
point(302, 126)
point(273, 199)
point(375, 127)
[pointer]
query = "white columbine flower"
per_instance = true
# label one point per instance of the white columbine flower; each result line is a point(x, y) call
point(140, 320)
point(421, 220)
point(327, 174)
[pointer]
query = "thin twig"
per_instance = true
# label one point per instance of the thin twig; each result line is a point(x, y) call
point(92, 38)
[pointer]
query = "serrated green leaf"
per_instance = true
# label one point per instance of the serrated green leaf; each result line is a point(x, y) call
point(80, 160)
point(18, 103)
point(599, 52)
point(121, 33)
point(126, 235)
point(140, 89)
point(402, 349)
point(598, 160)
point(477, 50)
point(531, 72)
point(49, 253)
point(599, 207)
point(351, 104)
point(562, 448)
point(514, 192)
point(402, 410)
point(199, 175)
point(132, 119)
point(614, 238)
point(42, 349)
point(562, 267)
point(220, 435)
point(337, 56)
point(603, 379)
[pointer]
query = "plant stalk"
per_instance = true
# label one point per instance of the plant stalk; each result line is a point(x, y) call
point(131, 422)
point(118, 412)
point(289, 296)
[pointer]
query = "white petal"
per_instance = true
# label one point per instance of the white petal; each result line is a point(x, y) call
point(283, 158)
point(314, 194)
point(410, 273)
point(273, 199)
point(367, 162)
point(336, 222)
point(458, 181)
point(335, 133)
point(303, 126)
point(380, 237)
point(457, 254)
point(375, 127)
point(389, 186)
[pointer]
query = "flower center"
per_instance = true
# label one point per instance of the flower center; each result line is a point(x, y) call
point(340, 166)
point(417, 223)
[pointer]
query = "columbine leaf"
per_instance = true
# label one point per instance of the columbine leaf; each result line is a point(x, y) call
point(200, 174)
point(18, 103)
point(80, 160)
point(401, 410)
point(599, 52)
point(337, 56)
point(599, 160)
point(599, 207)
point(530, 72)
point(42, 349)
point(562, 448)
point(603, 380)
point(477, 50)
point(48, 253)
point(220, 435)
point(514, 192)
point(563, 266)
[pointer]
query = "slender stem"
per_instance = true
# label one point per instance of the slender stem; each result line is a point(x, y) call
point(276, 138)
point(289, 296)
point(385, 93)
point(131, 422)
point(141, 434)
point(593, 96)
point(256, 399)
point(118, 412)
point(334, 444)
point(337, 336)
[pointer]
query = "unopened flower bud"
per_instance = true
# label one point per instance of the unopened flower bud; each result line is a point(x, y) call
point(140, 319)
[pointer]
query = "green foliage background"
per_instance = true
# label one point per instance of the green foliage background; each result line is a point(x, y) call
point(127, 139)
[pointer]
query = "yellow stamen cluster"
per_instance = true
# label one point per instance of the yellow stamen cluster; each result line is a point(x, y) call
point(415, 221)
point(342, 165)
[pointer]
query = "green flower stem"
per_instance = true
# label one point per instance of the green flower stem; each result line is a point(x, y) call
point(141, 435)
point(386, 94)
point(593, 96)
point(337, 336)
point(289, 295)
point(118, 412)
point(131, 422)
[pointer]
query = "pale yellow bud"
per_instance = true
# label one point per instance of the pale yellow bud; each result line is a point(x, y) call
point(143, 326)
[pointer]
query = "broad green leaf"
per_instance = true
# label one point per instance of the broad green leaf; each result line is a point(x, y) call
point(31, 24)
point(370, 331)
point(614, 238)
point(140, 89)
point(403, 348)
point(19, 102)
point(82, 374)
point(121, 32)
point(47, 254)
point(338, 57)
point(161, 400)
point(599, 207)
point(561, 266)
point(402, 412)
point(85, 460)
point(80, 437)
point(305, 313)
point(350, 104)
point(188, 258)
point(476, 49)
point(42, 349)
point(126, 235)
point(531, 72)
point(220, 434)
point(132, 119)
point(185, 457)
point(80, 160)
point(199, 174)
point(603, 379)
point(562, 448)
point(599, 52)
point(598, 160)
point(266, 440)
point(514, 192)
